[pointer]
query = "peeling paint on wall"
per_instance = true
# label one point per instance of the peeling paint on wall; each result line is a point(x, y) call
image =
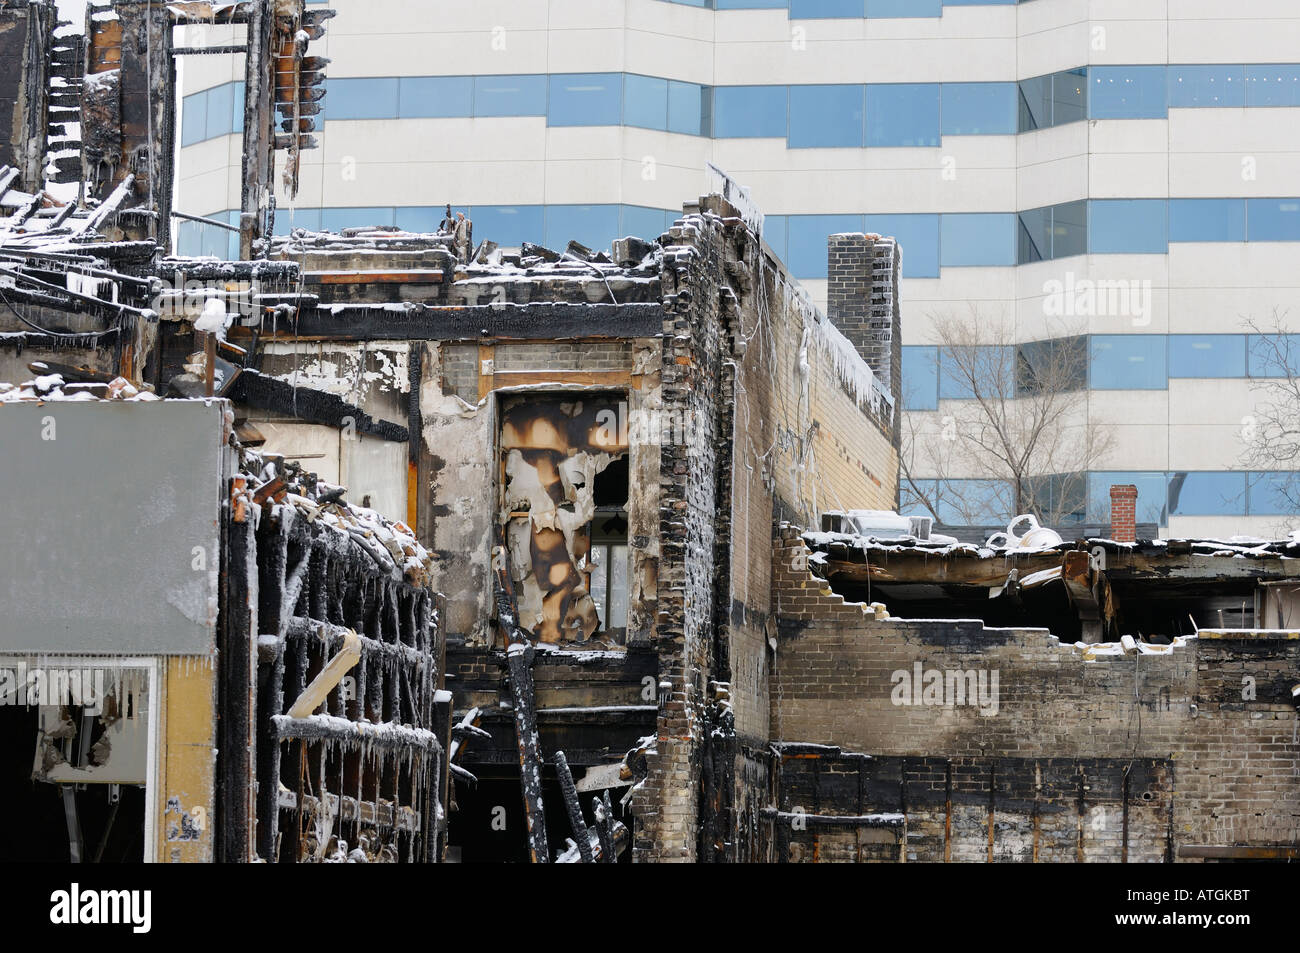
point(553, 448)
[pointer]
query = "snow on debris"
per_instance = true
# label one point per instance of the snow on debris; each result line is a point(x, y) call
point(52, 387)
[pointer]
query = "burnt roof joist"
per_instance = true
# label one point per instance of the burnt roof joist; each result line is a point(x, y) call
point(474, 322)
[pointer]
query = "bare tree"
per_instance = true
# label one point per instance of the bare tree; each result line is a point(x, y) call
point(1021, 439)
point(1271, 431)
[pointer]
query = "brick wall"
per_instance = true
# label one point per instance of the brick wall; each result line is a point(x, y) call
point(1211, 719)
point(862, 301)
point(667, 803)
point(1123, 513)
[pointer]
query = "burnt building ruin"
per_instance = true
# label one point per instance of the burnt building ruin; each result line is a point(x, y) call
point(456, 552)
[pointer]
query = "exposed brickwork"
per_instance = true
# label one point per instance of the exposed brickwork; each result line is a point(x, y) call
point(1123, 513)
point(862, 301)
point(1211, 718)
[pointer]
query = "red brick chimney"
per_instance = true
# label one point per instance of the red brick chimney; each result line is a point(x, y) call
point(1123, 513)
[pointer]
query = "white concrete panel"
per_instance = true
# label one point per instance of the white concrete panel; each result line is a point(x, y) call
point(1053, 49)
point(586, 49)
point(1257, 129)
point(1128, 175)
point(1243, 40)
point(1139, 408)
point(1196, 402)
point(1127, 40)
point(1225, 527)
point(1233, 174)
point(1133, 446)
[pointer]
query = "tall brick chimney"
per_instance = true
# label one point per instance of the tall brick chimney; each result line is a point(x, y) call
point(1123, 513)
point(862, 301)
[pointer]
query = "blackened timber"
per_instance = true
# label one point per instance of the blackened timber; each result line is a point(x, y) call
point(473, 322)
point(267, 393)
point(237, 690)
point(259, 81)
point(574, 808)
point(604, 812)
point(519, 666)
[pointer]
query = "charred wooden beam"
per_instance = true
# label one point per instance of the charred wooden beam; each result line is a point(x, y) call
point(574, 808)
point(1080, 581)
point(519, 666)
point(358, 733)
point(474, 322)
point(237, 687)
point(257, 191)
point(254, 389)
point(604, 812)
